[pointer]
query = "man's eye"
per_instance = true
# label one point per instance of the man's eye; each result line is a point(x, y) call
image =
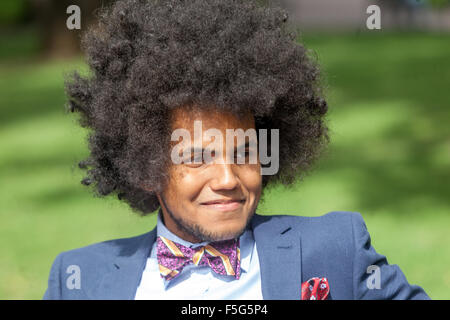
point(244, 154)
point(195, 161)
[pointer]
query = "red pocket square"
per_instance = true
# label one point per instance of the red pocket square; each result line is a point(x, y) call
point(315, 289)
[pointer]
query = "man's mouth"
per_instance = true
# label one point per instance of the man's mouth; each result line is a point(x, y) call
point(224, 204)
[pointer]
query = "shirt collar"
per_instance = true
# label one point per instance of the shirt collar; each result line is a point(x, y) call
point(161, 230)
point(246, 242)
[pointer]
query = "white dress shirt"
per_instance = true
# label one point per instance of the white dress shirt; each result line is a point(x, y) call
point(201, 282)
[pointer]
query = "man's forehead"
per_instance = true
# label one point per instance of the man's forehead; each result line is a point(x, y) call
point(210, 118)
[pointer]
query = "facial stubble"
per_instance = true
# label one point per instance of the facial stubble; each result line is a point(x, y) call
point(200, 233)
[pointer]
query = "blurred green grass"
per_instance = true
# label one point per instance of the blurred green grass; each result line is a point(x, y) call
point(389, 159)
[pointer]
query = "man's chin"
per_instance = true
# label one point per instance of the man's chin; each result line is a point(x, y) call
point(230, 233)
point(225, 236)
point(213, 228)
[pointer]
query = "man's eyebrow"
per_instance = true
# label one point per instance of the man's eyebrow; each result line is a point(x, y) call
point(194, 150)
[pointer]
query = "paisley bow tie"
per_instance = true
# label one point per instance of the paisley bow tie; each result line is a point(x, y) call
point(222, 256)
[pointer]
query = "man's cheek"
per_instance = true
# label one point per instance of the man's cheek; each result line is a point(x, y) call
point(253, 181)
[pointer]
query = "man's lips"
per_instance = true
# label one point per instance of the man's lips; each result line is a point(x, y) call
point(224, 205)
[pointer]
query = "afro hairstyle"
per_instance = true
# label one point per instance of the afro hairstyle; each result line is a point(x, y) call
point(147, 57)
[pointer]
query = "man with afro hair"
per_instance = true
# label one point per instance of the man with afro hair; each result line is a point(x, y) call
point(163, 70)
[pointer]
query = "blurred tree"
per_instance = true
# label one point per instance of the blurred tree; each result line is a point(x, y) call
point(439, 3)
point(13, 11)
point(48, 18)
point(56, 39)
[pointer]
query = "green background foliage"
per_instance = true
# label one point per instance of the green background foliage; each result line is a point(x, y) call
point(389, 158)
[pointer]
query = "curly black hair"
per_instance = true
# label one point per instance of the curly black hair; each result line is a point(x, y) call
point(148, 57)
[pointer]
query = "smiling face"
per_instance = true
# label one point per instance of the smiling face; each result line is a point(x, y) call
point(212, 200)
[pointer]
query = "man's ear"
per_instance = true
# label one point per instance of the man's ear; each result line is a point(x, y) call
point(161, 205)
point(146, 188)
point(149, 189)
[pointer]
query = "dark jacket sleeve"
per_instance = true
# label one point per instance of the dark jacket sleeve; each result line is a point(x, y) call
point(373, 277)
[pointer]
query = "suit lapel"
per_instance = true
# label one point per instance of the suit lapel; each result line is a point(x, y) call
point(125, 270)
point(279, 251)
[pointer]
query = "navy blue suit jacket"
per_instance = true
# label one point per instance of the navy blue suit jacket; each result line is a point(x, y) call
point(291, 250)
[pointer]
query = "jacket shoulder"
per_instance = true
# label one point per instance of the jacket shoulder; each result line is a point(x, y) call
point(108, 248)
point(91, 261)
point(331, 233)
point(331, 220)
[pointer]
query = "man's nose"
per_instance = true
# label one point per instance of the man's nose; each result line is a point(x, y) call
point(224, 177)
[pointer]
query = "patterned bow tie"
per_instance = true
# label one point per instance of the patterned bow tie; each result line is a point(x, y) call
point(222, 256)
